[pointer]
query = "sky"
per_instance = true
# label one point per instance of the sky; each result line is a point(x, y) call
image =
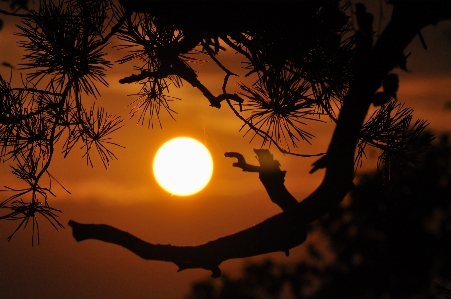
point(127, 196)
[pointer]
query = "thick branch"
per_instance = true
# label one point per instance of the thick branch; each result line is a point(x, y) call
point(379, 61)
point(278, 233)
point(407, 20)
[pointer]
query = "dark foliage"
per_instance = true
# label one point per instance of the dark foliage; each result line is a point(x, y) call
point(64, 55)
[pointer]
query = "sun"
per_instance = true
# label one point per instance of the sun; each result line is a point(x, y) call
point(182, 166)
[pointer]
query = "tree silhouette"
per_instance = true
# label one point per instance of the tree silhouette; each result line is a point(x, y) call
point(308, 64)
point(381, 245)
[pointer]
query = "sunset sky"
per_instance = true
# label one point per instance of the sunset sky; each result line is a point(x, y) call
point(128, 197)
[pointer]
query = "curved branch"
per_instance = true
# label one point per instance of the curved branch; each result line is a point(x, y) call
point(278, 233)
point(288, 229)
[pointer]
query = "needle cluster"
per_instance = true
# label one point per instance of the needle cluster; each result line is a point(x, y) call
point(64, 61)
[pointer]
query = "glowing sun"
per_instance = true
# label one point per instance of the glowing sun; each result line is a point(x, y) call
point(182, 166)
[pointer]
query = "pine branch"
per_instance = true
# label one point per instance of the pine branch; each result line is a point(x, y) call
point(288, 229)
point(278, 233)
point(178, 68)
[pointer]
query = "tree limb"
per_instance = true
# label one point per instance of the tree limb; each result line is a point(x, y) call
point(278, 233)
point(288, 229)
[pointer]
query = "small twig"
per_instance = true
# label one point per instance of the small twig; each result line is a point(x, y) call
point(423, 43)
point(35, 90)
point(323, 106)
point(236, 48)
point(15, 14)
point(212, 56)
point(114, 29)
point(224, 85)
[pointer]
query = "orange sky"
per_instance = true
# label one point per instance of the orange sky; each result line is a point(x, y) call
point(128, 197)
